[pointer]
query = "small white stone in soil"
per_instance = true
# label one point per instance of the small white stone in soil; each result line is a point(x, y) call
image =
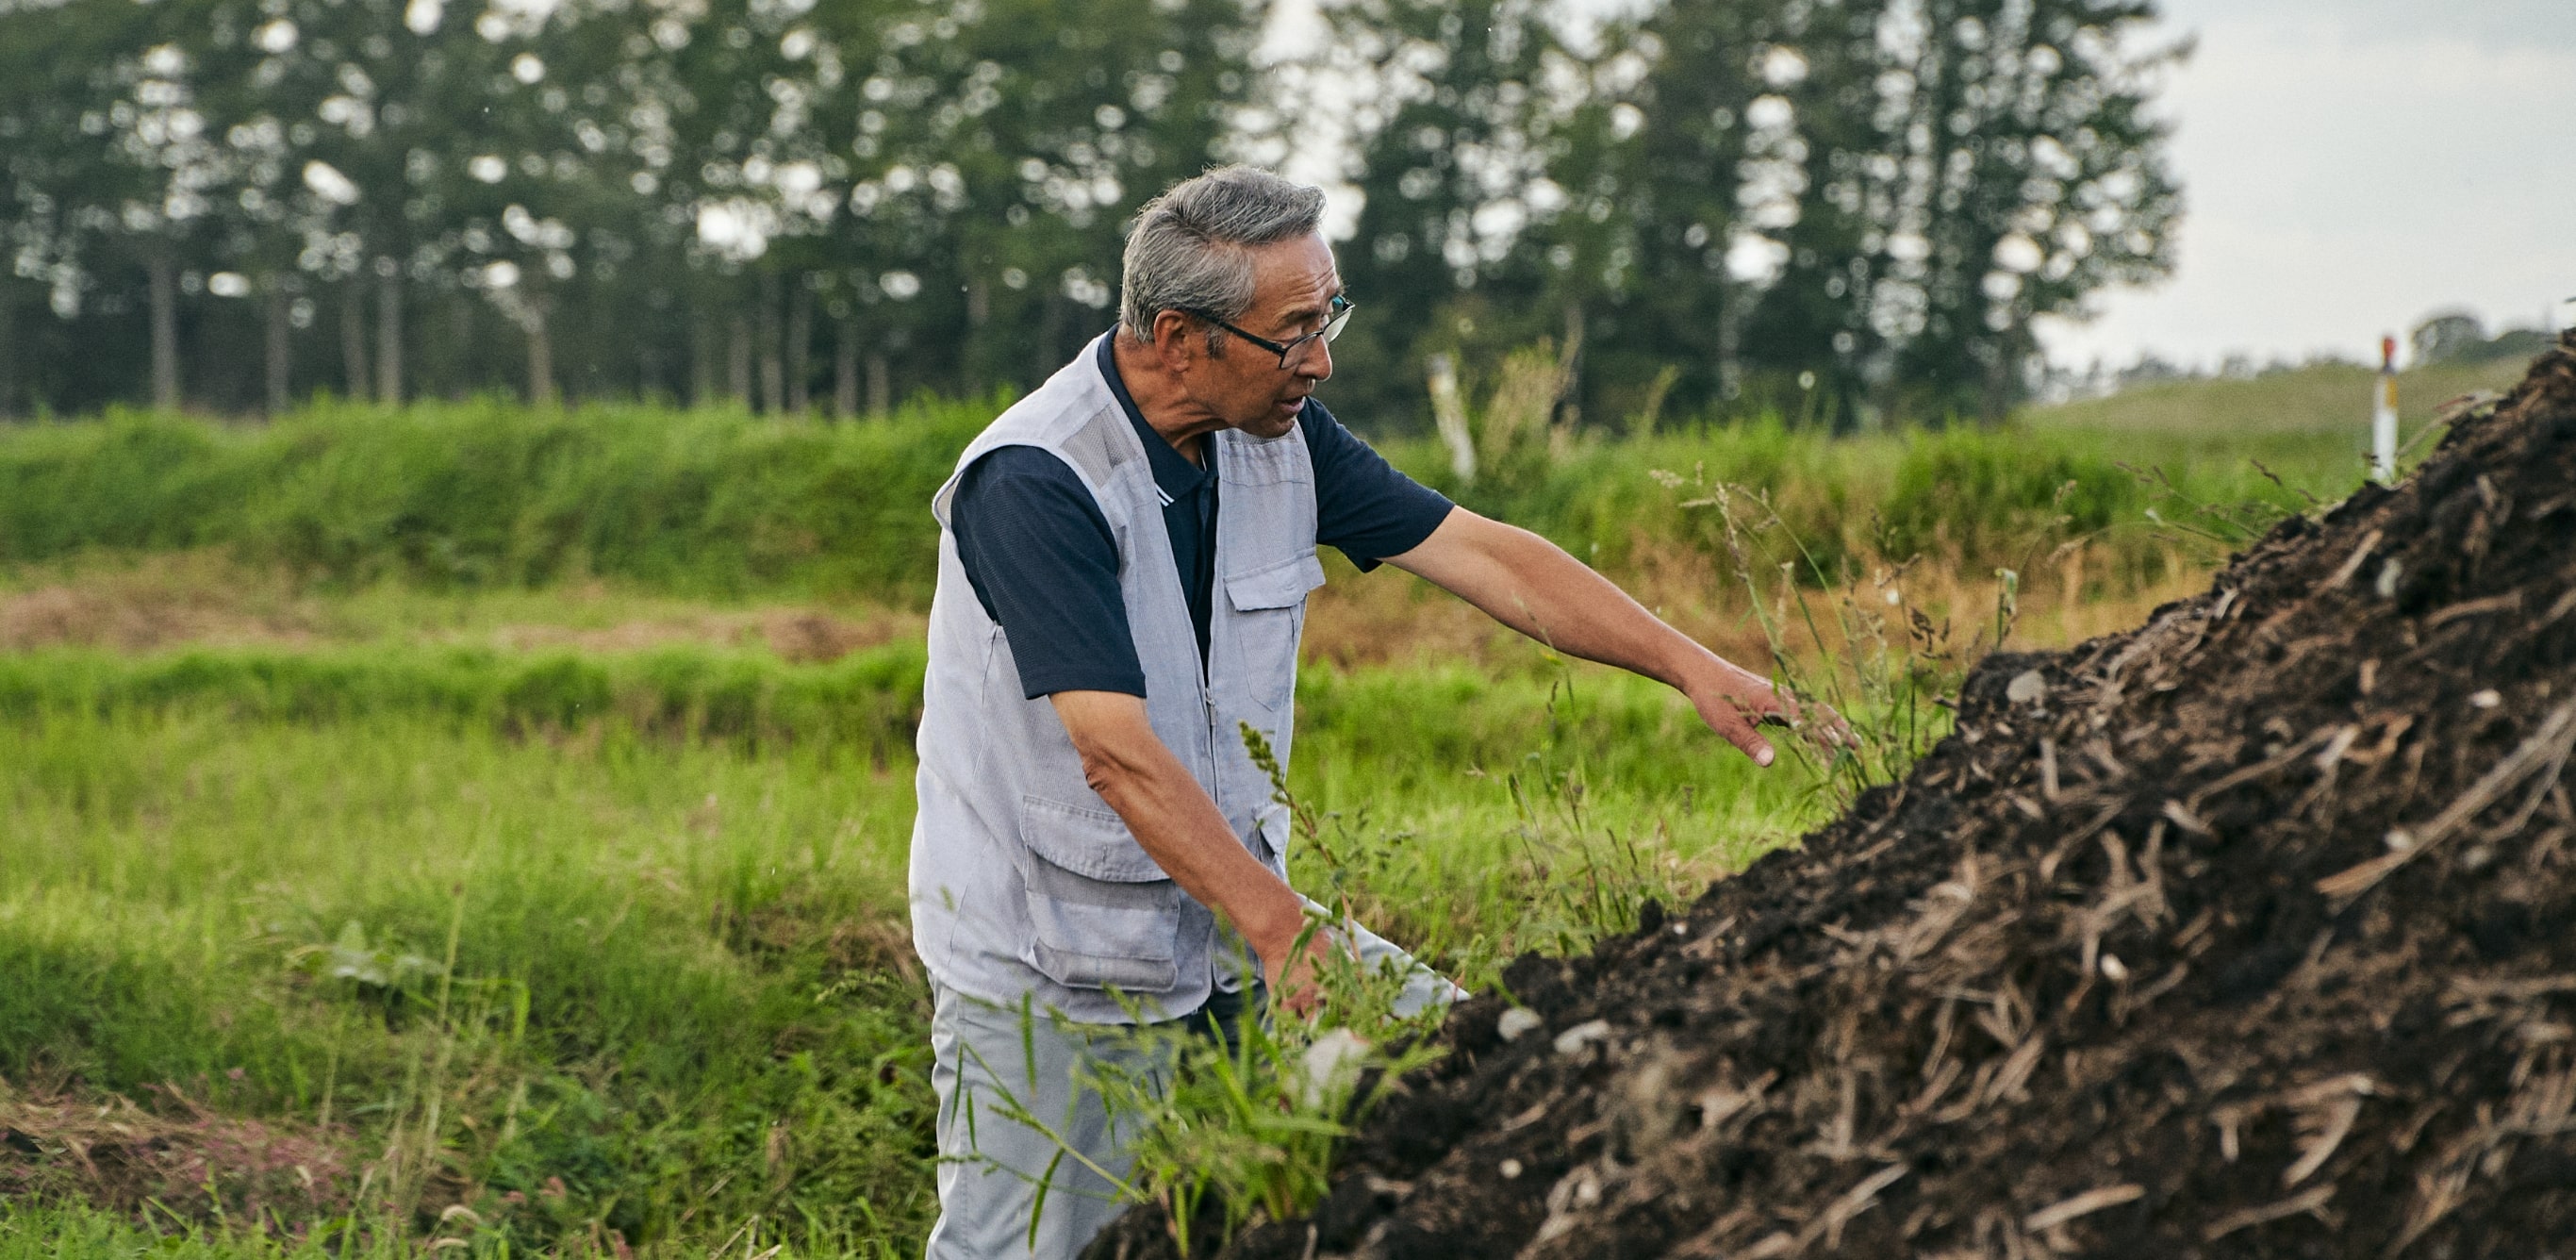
point(1581, 1035)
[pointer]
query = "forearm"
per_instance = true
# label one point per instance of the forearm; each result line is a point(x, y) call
point(1174, 820)
point(1533, 586)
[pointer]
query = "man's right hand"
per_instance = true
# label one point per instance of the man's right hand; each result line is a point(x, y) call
point(1296, 981)
point(1182, 829)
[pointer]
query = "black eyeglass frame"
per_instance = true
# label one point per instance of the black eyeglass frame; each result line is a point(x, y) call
point(1337, 314)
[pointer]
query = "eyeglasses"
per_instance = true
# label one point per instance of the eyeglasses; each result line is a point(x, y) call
point(1336, 314)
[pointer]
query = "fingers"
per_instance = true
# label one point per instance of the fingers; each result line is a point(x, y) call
point(1296, 985)
point(1833, 732)
point(1294, 992)
point(1738, 716)
point(1769, 704)
point(1731, 725)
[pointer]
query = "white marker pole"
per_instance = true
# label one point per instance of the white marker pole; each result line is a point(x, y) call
point(2383, 415)
point(1449, 411)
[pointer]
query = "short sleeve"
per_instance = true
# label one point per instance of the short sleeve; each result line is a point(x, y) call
point(1042, 561)
point(1362, 504)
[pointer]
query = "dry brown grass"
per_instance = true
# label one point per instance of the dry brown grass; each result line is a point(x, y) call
point(1390, 618)
point(159, 602)
point(203, 599)
point(801, 635)
point(180, 1157)
point(155, 602)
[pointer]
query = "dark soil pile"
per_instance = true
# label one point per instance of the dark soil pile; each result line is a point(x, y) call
point(2250, 932)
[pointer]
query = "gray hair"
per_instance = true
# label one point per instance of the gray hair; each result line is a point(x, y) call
point(1190, 248)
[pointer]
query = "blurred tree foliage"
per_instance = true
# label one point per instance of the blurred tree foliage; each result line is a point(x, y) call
point(1842, 210)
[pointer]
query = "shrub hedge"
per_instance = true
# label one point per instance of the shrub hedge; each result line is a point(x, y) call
point(723, 504)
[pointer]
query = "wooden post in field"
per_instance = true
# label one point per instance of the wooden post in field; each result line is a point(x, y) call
point(2383, 415)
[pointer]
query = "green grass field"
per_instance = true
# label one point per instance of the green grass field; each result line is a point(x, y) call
point(477, 826)
point(724, 506)
point(679, 996)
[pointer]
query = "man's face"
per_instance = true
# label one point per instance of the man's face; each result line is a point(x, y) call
point(1293, 284)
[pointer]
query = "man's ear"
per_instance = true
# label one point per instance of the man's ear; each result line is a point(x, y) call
point(1176, 341)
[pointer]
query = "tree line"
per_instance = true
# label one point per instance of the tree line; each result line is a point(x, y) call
point(1846, 210)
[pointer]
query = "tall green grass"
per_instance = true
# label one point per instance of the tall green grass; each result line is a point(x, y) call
point(644, 979)
point(2324, 398)
point(490, 493)
point(868, 701)
point(607, 947)
point(1974, 498)
point(721, 504)
point(679, 991)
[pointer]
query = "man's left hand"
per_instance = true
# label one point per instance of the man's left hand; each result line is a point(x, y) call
point(1735, 702)
point(1531, 585)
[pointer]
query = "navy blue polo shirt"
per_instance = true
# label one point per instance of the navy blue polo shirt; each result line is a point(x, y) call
point(1043, 563)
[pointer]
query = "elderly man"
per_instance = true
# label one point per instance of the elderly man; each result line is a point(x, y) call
point(1123, 568)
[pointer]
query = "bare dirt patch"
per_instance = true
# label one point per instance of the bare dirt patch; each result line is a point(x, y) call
point(801, 635)
point(179, 1159)
point(2243, 933)
point(156, 602)
point(165, 602)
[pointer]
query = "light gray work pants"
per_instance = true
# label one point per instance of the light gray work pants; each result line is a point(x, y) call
point(991, 1168)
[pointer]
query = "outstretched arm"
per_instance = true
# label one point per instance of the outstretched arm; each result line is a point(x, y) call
point(1185, 833)
point(1533, 586)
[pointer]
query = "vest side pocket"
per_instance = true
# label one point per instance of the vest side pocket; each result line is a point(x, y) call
point(1270, 616)
point(1102, 913)
point(1271, 829)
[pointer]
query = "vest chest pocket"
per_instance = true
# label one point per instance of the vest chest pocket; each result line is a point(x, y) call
point(1102, 913)
point(1269, 616)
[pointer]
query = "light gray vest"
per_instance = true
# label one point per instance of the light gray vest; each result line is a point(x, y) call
point(1023, 880)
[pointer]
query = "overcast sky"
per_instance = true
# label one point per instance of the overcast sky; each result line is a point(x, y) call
point(2350, 166)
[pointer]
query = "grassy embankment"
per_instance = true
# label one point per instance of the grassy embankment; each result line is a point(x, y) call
point(456, 831)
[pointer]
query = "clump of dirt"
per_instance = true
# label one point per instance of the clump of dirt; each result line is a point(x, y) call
point(2243, 933)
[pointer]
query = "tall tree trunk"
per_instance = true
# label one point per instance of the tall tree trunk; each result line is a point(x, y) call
point(1730, 340)
point(165, 331)
point(702, 360)
point(880, 384)
point(773, 374)
point(982, 359)
point(278, 359)
point(462, 315)
point(1569, 362)
point(1050, 333)
point(2001, 387)
point(353, 337)
point(389, 332)
point(8, 352)
point(738, 361)
point(541, 356)
point(800, 348)
point(845, 369)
